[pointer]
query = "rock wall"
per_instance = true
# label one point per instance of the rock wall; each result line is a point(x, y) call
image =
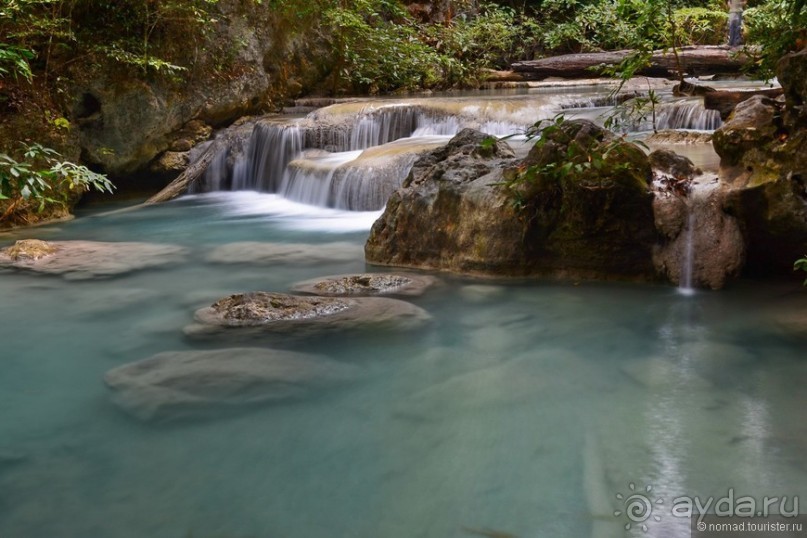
point(124, 123)
point(763, 150)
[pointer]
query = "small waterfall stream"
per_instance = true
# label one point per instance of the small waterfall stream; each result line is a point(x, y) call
point(685, 286)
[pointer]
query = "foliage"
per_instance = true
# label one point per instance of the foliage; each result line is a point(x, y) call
point(592, 164)
point(633, 113)
point(801, 265)
point(14, 61)
point(774, 28)
point(39, 176)
point(702, 26)
point(378, 46)
point(373, 52)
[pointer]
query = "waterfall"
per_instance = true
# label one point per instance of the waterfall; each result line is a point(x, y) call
point(687, 114)
point(330, 158)
point(271, 148)
point(685, 285)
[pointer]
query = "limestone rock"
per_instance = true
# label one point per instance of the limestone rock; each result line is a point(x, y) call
point(28, 250)
point(669, 136)
point(765, 164)
point(265, 313)
point(792, 74)
point(752, 125)
point(669, 162)
point(193, 384)
point(88, 259)
point(366, 284)
point(701, 229)
point(452, 214)
point(170, 163)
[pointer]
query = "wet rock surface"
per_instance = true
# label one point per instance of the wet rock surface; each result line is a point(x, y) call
point(198, 384)
point(698, 230)
point(260, 313)
point(257, 252)
point(669, 162)
point(451, 213)
point(88, 259)
point(366, 284)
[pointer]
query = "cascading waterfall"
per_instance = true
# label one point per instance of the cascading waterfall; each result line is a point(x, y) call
point(271, 148)
point(321, 160)
point(687, 114)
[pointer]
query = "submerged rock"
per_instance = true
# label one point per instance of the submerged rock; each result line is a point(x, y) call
point(452, 213)
point(260, 313)
point(192, 384)
point(258, 252)
point(669, 136)
point(88, 259)
point(28, 249)
point(367, 284)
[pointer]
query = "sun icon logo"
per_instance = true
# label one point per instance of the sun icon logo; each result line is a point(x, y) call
point(638, 508)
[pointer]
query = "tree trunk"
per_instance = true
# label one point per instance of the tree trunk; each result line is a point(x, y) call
point(694, 61)
point(192, 173)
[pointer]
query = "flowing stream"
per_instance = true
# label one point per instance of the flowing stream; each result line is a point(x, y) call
point(523, 408)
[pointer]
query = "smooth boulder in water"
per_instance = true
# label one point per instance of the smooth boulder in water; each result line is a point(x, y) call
point(266, 313)
point(366, 284)
point(194, 384)
point(88, 259)
point(257, 252)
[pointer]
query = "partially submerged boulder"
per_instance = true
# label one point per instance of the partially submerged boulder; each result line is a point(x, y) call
point(28, 249)
point(194, 384)
point(366, 284)
point(453, 212)
point(88, 259)
point(265, 313)
point(257, 252)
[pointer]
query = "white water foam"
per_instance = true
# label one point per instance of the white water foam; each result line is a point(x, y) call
point(287, 214)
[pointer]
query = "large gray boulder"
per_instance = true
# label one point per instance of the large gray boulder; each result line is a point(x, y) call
point(452, 212)
point(193, 384)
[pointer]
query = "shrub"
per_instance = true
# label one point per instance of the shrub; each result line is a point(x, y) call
point(701, 26)
point(40, 178)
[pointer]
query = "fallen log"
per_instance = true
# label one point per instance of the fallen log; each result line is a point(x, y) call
point(195, 169)
point(725, 101)
point(694, 61)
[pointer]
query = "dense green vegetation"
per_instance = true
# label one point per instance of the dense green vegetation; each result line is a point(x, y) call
point(364, 46)
point(375, 45)
point(41, 178)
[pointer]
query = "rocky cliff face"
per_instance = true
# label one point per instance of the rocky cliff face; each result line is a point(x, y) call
point(124, 123)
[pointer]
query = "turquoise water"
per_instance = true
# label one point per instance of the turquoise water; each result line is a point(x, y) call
point(522, 408)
